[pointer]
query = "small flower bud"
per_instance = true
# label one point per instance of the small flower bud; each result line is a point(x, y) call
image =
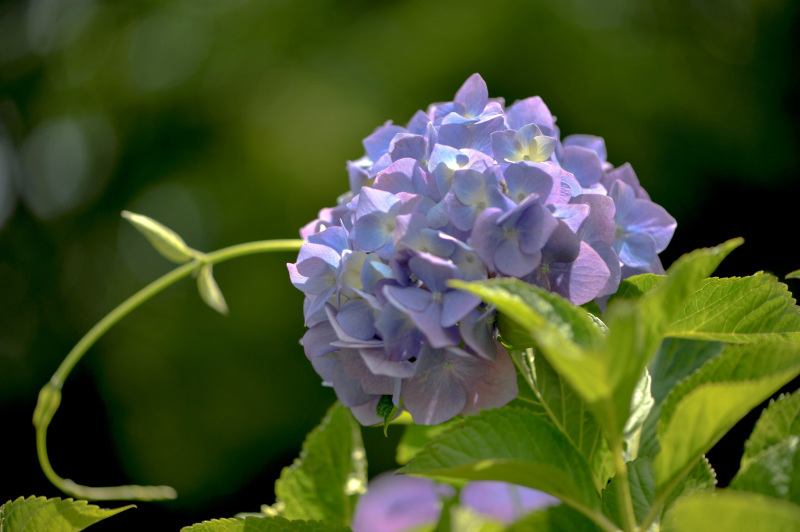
point(209, 290)
point(165, 240)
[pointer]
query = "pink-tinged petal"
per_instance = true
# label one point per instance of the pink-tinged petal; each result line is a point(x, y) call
point(433, 396)
point(573, 215)
point(488, 384)
point(612, 263)
point(599, 226)
point(348, 391)
point(625, 174)
point(583, 279)
point(407, 145)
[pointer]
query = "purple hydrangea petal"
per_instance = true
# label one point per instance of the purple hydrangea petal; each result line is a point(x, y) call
point(503, 147)
point(348, 391)
point(530, 111)
point(406, 145)
point(317, 340)
point(636, 249)
point(477, 331)
point(611, 259)
point(398, 503)
point(418, 123)
point(503, 501)
point(378, 364)
point(366, 413)
point(509, 259)
point(625, 174)
point(533, 226)
point(524, 180)
point(574, 215)
point(354, 368)
point(475, 136)
point(433, 396)
point(488, 384)
point(371, 232)
point(473, 95)
point(599, 225)
point(377, 144)
point(409, 298)
point(456, 305)
point(580, 281)
point(356, 318)
point(591, 142)
point(583, 163)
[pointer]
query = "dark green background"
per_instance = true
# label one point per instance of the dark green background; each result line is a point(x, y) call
point(232, 121)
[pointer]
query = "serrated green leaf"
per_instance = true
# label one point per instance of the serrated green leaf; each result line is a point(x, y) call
point(793, 275)
point(569, 413)
point(330, 474)
point(415, 437)
point(699, 411)
point(512, 445)
point(731, 510)
point(166, 241)
point(209, 290)
point(778, 421)
point(701, 479)
point(739, 310)
point(39, 514)
point(775, 471)
point(642, 490)
point(264, 524)
point(560, 518)
point(675, 360)
point(636, 286)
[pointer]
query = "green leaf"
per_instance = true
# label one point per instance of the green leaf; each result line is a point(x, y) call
point(264, 524)
point(415, 437)
point(560, 518)
point(331, 472)
point(642, 489)
point(38, 514)
point(699, 411)
point(166, 241)
point(739, 310)
point(209, 290)
point(779, 420)
point(636, 286)
point(775, 471)
point(569, 413)
point(675, 360)
point(512, 445)
point(793, 275)
point(731, 510)
point(701, 479)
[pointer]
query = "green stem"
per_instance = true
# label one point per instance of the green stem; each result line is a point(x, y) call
point(624, 491)
point(50, 395)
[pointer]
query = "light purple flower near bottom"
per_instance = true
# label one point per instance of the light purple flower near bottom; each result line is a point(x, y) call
point(398, 503)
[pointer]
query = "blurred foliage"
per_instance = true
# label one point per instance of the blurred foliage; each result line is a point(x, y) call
point(232, 121)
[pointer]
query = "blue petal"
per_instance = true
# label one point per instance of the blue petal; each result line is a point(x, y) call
point(596, 144)
point(636, 249)
point(377, 144)
point(503, 146)
point(370, 233)
point(583, 163)
point(473, 95)
point(456, 305)
point(509, 260)
point(357, 319)
point(530, 111)
point(524, 180)
point(317, 340)
point(433, 396)
point(406, 145)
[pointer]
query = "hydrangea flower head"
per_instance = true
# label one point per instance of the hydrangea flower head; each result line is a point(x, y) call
point(466, 190)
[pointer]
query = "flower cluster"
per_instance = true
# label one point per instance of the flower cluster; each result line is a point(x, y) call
point(400, 503)
point(467, 190)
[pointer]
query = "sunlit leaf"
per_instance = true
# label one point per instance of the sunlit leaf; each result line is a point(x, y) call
point(699, 411)
point(330, 474)
point(513, 445)
point(731, 510)
point(739, 310)
point(264, 524)
point(778, 421)
point(39, 514)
